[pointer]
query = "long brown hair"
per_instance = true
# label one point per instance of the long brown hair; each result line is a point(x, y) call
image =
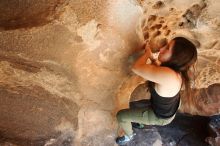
point(184, 55)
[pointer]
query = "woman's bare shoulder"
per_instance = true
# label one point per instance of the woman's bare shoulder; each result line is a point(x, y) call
point(170, 88)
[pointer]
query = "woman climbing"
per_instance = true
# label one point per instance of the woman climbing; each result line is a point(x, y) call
point(166, 80)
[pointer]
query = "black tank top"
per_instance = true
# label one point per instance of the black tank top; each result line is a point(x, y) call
point(164, 107)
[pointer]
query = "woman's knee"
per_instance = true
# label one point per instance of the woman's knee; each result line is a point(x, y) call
point(121, 114)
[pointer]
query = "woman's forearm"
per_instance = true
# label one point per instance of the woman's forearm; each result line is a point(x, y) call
point(141, 60)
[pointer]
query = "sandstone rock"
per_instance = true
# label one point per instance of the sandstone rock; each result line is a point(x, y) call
point(29, 13)
point(67, 58)
point(205, 101)
point(214, 129)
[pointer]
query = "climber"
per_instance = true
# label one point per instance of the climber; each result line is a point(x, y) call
point(165, 81)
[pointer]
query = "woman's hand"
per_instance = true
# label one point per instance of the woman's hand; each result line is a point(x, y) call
point(148, 51)
point(152, 57)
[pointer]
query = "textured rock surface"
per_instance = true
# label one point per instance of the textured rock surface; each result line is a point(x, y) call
point(214, 130)
point(64, 63)
point(29, 13)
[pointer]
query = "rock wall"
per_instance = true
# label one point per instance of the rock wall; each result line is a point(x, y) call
point(64, 63)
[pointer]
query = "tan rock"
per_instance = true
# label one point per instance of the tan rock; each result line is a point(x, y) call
point(74, 55)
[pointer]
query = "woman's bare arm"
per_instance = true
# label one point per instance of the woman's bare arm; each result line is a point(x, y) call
point(157, 74)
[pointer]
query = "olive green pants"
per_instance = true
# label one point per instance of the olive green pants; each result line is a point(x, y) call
point(142, 116)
